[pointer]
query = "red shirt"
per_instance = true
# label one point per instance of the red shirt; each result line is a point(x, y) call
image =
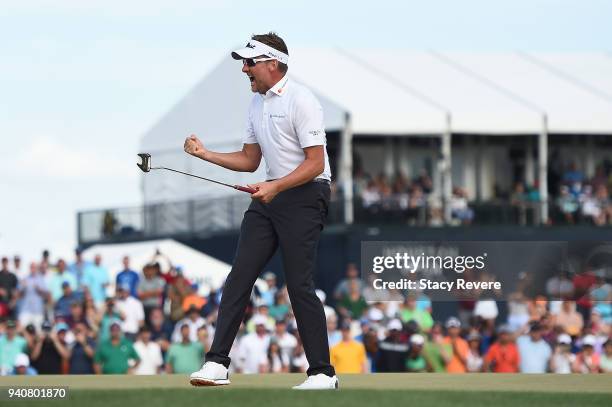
point(504, 358)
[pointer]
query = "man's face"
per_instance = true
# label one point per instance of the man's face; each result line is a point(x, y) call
point(115, 331)
point(260, 329)
point(259, 75)
point(126, 262)
point(4, 263)
point(98, 260)
point(185, 333)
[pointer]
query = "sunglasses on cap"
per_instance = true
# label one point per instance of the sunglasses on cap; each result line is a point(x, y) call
point(251, 62)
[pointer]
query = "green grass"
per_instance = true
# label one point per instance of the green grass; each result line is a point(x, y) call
point(378, 390)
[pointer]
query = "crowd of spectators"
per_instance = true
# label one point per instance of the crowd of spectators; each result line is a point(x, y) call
point(57, 318)
point(575, 199)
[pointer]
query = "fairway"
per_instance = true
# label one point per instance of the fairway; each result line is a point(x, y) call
point(356, 390)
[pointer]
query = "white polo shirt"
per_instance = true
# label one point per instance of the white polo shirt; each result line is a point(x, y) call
point(284, 121)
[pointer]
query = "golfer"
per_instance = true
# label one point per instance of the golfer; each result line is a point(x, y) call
point(285, 126)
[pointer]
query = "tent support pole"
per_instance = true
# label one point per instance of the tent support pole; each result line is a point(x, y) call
point(543, 170)
point(346, 169)
point(447, 184)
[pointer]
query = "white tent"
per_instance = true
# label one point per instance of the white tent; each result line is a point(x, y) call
point(206, 271)
point(394, 93)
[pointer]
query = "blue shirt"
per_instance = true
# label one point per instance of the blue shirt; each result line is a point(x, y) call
point(95, 278)
point(534, 355)
point(129, 277)
point(32, 302)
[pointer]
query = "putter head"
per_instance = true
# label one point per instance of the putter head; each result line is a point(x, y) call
point(145, 162)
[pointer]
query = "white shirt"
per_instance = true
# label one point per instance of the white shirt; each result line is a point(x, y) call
point(284, 121)
point(134, 313)
point(252, 349)
point(193, 329)
point(150, 358)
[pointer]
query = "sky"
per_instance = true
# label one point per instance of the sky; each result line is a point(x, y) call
point(82, 81)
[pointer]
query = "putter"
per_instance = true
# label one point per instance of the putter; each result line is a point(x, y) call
point(145, 166)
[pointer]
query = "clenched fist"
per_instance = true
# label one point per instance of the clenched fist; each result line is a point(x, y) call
point(194, 146)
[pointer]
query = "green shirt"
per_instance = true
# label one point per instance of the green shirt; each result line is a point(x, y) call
point(432, 352)
point(423, 318)
point(417, 364)
point(9, 350)
point(185, 358)
point(355, 308)
point(114, 359)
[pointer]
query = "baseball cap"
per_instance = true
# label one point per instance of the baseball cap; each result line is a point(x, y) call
point(394, 324)
point(259, 320)
point(474, 336)
point(321, 294)
point(589, 340)
point(453, 322)
point(417, 339)
point(46, 326)
point(268, 275)
point(65, 284)
point(504, 329)
point(62, 326)
point(375, 314)
point(22, 360)
point(564, 339)
point(254, 48)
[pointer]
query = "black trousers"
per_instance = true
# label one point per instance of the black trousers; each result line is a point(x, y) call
point(292, 221)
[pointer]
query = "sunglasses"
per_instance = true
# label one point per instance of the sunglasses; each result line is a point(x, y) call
point(251, 62)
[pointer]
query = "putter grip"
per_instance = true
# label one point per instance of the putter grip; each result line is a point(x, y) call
point(245, 189)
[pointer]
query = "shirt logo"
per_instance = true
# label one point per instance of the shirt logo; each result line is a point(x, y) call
point(315, 133)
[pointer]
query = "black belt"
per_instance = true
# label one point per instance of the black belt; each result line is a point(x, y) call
point(317, 180)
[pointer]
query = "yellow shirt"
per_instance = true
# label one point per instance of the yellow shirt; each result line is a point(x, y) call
point(348, 357)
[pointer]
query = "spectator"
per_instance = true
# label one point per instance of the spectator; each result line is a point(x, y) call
point(562, 360)
point(569, 319)
point(474, 360)
point(268, 296)
point(275, 361)
point(329, 311)
point(415, 361)
point(503, 356)
point(22, 366)
point(149, 353)
point(8, 285)
point(299, 363)
point(352, 305)
point(253, 347)
point(78, 270)
point(131, 312)
point(18, 271)
point(437, 352)
point(50, 349)
point(110, 316)
point(113, 355)
point(76, 315)
point(81, 351)
point(56, 281)
point(129, 277)
point(606, 358)
point(96, 280)
point(185, 355)
point(178, 290)
point(33, 294)
point(459, 347)
point(204, 338)
point(409, 311)
point(342, 288)
point(459, 207)
point(583, 284)
point(587, 361)
point(393, 350)
point(568, 204)
point(194, 321)
point(150, 289)
point(286, 341)
point(161, 329)
point(264, 311)
point(534, 352)
point(348, 356)
point(559, 287)
point(280, 308)
point(333, 334)
point(11, 345)
point(63, 304)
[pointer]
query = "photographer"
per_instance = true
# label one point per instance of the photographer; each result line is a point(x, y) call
point(50, 349)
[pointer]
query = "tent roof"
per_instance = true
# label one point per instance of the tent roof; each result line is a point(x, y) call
point(395, 92)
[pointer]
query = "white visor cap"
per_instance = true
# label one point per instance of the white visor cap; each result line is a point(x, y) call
point(255, 49)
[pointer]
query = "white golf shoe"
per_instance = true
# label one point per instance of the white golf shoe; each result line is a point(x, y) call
point(211, 374)
point(318, 382)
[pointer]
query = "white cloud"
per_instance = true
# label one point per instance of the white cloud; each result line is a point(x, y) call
point(45, 157)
